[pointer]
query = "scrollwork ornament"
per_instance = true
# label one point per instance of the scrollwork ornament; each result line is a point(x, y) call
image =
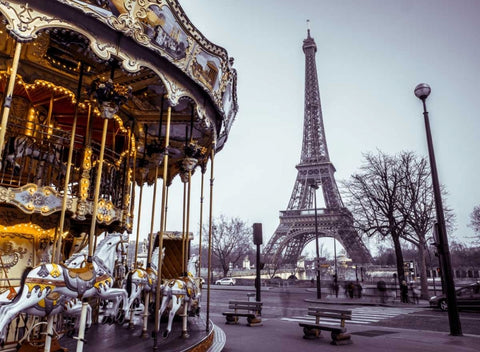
point(6, 195)
point(25, 22)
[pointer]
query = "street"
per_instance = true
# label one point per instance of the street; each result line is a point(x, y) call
point(289, 304)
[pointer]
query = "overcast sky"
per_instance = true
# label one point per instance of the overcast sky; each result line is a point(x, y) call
point(371, 55)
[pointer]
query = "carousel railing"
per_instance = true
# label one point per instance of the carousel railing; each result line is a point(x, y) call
point(38, 154)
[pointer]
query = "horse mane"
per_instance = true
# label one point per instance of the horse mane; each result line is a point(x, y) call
point(102, 242)
point(156, 241)
point(22, 283)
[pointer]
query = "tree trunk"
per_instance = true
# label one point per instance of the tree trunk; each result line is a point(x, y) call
point(423, 271)
point(399, 257)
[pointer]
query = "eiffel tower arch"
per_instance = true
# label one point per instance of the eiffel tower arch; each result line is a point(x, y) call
point(297, 223)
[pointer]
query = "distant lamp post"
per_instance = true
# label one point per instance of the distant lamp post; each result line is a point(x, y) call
point(422, 91)
point(314, 186)
point(335, 276)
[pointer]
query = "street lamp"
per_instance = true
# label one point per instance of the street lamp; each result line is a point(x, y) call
point(422, 91)
point(335, 277)
point(319, 291)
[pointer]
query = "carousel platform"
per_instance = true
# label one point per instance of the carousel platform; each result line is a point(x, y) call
point(106, 338)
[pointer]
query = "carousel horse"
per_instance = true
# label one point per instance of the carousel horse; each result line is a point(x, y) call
point(52, 281)
point(142, 280)
point(183, 290)
point(70, 307)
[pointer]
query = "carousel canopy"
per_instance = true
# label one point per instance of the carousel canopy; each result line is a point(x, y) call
point(150, 47)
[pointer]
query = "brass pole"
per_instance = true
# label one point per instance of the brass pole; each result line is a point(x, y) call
point(210, 223)
point(184, 225)
point(162, 224)
point(8, 95)
point(166, 209)
point(201, 225)
point(138, 224)
point(57, 246)
point(97, 191)
point(152, 221)
point(131, 209)
point(126, 180)
point(150, 249)
point(189, 189)
point(50, 111)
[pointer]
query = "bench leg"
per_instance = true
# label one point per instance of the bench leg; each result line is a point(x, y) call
point(311, 333)
point(255, 321)
point(342, 338)
point(231, 319)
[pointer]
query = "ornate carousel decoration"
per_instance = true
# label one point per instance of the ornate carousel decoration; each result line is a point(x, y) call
point(100, 98)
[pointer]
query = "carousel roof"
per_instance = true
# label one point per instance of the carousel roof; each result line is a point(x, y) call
point(150, 46)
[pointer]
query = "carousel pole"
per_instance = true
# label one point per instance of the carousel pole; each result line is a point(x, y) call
point(184, 221)
point(200, 231)
point(96, 195)
point(9, 94)
point(189, 191)
point(149, 255)
point(58, 239)
point(57, 243)
point(162, 229)
point(83, 314)
point(210, 223)
point(103, 92)
point(166, 209)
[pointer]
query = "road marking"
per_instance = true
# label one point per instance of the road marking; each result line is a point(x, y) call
point(361, 315)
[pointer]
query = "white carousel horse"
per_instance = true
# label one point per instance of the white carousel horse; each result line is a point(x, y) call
point(70, 307)
point(183, 290)
point(142, 280)
point(50, 280)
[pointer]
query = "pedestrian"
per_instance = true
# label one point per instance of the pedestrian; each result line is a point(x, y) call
point(312, 281)
point(350, 289)
point(415, 294)
point(404, 291)
point(358, 290)
point(382, 289)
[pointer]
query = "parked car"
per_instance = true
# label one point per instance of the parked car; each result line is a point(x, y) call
point(226, 281)
point(468, 297)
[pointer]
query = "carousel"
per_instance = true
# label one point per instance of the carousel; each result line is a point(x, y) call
point(99, 99)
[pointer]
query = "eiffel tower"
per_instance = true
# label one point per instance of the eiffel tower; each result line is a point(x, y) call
point(297, 223)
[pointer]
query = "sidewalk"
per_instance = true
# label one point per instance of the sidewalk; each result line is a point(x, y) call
point(285, 336)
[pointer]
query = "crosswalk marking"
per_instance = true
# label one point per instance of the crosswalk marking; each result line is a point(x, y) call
point(360, 315)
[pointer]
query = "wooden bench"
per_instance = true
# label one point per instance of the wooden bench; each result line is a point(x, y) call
point(251, 310)
point(339, 333)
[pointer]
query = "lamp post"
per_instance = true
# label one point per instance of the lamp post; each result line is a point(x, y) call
point(319, 291)
point(422, 91)
point(335, 276)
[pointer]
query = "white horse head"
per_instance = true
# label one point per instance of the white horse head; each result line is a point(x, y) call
point(112, 242)
point(192, 266)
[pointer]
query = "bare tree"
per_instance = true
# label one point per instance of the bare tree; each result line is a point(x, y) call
point(418, 208)
point(373, 196)
point(394, 197)
point(231, 241)
point(475, 221)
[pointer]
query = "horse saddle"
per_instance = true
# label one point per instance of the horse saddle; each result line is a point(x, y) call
point(85, 273)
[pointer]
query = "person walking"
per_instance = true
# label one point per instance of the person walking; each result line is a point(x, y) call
point(404, 291)
point(382, 290)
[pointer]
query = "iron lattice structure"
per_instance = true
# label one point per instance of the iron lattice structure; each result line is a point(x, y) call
point(297, 223)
